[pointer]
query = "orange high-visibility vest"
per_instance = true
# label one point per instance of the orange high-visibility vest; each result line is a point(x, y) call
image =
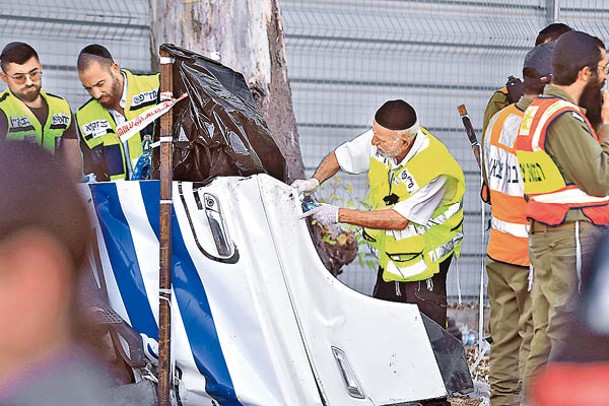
point(508, 239)
point(549, 195)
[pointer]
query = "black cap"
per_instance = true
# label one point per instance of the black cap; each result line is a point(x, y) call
point(396, 115)
point(540, 59)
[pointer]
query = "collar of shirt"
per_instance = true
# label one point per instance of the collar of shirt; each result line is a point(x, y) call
point(118, 117)
point(123, 101)
point(551, 90)
point(524, 102)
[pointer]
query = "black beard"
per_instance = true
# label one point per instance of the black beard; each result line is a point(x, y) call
point(592, 100)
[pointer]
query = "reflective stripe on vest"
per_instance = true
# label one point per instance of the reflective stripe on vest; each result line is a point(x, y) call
point(569, 195)
point(514, 229)
point(550, 198)
point(98, 128)
point(24, 126)
point(415, 252)
point(508, 239)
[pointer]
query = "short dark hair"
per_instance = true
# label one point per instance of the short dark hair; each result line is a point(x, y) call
point(17, 52)
point(94, 53)
point(552, 32)
point(37, 192)
point(573, 51)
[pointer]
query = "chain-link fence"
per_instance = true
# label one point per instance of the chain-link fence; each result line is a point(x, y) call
point(345, 58)
point(59, 29)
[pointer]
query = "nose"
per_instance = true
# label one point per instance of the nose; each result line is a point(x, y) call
point(28, 80)
point(95, 93)
point(375, 140)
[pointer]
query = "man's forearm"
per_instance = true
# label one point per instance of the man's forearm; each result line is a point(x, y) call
point(379, 219)
point(72, 157)
point(327, 168)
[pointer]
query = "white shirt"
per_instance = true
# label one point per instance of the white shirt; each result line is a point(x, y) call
point(119, 119)
point(354, 157)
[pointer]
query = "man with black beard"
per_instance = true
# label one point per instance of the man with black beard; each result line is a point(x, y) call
point(592, 101)
point(28, 113)
point(565, 169)
point(117, 96)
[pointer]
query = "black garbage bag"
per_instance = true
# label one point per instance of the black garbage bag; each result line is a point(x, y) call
point(218, 130)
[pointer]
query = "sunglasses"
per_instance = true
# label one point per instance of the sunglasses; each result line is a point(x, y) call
point(21, 78)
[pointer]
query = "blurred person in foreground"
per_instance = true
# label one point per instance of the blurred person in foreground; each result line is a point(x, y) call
point(565, 169)
point(580, 373)
point(507, 262)
point(44, 238)
point(28, 113)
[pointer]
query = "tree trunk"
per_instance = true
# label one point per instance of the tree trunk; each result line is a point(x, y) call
point(246, 36)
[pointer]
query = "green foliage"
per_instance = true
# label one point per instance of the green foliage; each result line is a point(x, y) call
point(341, 193)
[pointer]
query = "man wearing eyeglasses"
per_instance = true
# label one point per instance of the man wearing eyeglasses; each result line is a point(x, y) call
point(117, 95)
point(28, 113)
point(565, 170)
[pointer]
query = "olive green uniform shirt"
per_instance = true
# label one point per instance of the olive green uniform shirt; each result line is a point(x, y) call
point(577, 155)
point(498, 101)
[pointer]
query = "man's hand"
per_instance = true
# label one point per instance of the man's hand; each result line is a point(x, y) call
point(305, 187)
point(604, 131)
point(326, 214)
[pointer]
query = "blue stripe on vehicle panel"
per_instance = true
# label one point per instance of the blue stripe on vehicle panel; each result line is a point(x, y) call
point(194, 306)
point(121, 250)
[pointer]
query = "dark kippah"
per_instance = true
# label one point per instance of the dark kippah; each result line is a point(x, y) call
point(396, 115)
point(97, 50)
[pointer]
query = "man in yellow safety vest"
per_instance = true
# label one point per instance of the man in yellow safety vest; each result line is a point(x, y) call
point(416, 191)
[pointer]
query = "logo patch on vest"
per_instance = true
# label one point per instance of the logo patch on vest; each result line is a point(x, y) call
point(60, 120)
point(95, 128)
point(21, 123)
point(144, 99)
point(409, 182)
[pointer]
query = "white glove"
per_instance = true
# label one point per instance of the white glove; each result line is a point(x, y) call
point(305, 187)
point(325, 214)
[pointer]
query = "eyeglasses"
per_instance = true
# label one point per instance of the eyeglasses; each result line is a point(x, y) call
point(21, 78)
point(605, 68)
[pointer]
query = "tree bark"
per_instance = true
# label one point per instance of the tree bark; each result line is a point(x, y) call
point(246, 36)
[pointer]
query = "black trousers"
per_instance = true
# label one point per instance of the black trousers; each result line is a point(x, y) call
point(429, 294)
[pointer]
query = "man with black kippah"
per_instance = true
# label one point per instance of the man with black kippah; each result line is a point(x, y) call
point(416, 192)
point(117, 96)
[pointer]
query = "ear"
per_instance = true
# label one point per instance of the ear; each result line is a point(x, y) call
point(115, 68)
point(4, 77)
point(545, 79)
point(584, 73)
